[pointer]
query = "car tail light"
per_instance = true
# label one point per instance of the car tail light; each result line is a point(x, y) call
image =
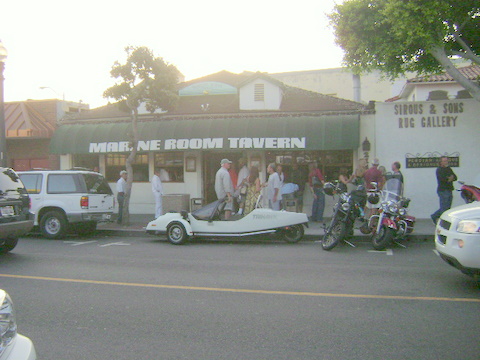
point(84, 202)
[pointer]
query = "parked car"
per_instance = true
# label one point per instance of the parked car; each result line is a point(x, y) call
point(68, 200)
point(457, 238)
point(13, 346)
point(15, 217)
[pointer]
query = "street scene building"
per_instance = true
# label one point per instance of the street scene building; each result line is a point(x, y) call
point(257, 117)
point(223, 115)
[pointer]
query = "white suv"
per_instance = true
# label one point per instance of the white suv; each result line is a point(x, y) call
point(457, 238)
point(68, 199)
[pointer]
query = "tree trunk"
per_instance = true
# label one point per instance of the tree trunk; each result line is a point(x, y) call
point(129, 167)
point(439, 54)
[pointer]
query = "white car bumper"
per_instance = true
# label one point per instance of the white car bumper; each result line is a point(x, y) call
point(458, 249)
point(21, 349)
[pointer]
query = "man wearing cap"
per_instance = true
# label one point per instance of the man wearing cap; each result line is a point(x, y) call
point(121, 190)
point(224, 186)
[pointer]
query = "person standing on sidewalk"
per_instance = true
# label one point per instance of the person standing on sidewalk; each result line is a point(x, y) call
point(157, 190)
point(273, 187)
point(316, 182)
point(121, 190)
point(445, 179)
point(224, 186)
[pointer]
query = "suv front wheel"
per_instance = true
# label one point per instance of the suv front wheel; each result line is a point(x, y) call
point(53, 224)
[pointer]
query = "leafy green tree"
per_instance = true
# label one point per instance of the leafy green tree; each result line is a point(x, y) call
point(399, 36)
point(142, 79)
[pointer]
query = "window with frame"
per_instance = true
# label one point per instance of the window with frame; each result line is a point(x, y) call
point(32, 182)
point(116, 163)
point(171, 166)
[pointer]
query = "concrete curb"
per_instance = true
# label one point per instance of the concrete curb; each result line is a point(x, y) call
point(137, 233)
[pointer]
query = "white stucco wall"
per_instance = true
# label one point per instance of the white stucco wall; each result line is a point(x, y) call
point(272, 98)
point(421, 91)
point(425, 129)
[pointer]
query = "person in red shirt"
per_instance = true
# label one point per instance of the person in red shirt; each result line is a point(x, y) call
point(372, 175)
point(316, 182)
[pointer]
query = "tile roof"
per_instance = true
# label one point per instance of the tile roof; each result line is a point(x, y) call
point(471, 72)
point(23, 121)
point(294, 99)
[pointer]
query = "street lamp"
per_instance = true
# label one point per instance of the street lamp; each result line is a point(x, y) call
point(3, 139)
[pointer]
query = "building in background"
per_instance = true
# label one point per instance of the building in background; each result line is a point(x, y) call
point(29, 127)
point(222, 115)
point(342, 83)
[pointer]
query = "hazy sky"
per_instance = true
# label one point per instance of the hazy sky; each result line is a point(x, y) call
point(70, 46)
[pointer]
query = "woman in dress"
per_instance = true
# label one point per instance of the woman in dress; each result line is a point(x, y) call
point(253, 191)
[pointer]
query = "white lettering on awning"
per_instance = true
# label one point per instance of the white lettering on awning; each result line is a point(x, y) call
point(267, 143)
point(200, 144)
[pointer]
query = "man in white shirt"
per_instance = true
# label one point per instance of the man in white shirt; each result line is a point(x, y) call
point(121, 190)
point(157, 190)
point(273, 188)
point(241, 181)
point(224, 186)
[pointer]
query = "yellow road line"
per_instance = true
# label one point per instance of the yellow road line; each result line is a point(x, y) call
point(245, 291)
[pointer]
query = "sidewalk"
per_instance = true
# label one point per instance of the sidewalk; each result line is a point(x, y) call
point(424, 228)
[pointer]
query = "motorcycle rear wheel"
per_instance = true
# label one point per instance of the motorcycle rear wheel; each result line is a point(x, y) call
point(383, 238)
point(334, 234)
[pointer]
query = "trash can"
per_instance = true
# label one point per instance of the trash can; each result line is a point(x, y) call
point(175, 202)
point(289, 202)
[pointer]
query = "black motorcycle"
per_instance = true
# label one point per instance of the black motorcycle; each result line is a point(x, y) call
point(347, 209)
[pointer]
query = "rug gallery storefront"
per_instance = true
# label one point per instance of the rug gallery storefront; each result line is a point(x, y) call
point(417, 134)
point(190, 150)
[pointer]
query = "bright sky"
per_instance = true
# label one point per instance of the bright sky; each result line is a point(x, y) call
point(70, 46)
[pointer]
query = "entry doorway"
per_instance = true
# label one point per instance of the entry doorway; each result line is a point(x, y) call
point(211, 164)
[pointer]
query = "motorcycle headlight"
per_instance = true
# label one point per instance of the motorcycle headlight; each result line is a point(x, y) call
point(8, 326)
point(402, 211)
point(469, 226)
point(345, 206)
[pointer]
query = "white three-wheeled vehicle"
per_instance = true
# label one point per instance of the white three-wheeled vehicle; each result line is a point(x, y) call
point(208, 221)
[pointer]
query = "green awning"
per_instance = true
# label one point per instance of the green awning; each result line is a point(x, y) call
point(269, 133)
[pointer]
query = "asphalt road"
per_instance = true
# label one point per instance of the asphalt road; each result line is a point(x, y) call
point(143, 298)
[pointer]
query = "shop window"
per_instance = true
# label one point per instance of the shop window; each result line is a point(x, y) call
point(172, 164)
point(87, 161)
point(329, 161)
point(116, 163)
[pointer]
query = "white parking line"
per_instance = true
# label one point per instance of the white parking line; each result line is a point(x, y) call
point(436, 252)
point(388, 252)
point(76, 243)
point(121, 243)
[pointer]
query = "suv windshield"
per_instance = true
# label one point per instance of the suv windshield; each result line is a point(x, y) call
point(97, 184)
